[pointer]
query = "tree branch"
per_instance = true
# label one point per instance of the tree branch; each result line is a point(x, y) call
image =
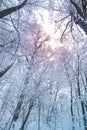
point(78, 9)
point(3, 72)
point(8, 11)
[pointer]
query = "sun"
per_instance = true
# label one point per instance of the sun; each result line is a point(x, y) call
point(50, 27)
point(53, 44)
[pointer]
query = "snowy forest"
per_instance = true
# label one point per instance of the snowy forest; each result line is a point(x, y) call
point(43, 64)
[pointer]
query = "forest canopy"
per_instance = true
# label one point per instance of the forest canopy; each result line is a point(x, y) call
point(43, 65)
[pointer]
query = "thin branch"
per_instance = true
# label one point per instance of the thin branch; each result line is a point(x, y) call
point(65, 30)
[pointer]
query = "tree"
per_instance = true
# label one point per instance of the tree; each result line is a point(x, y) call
point(43, 87)
point(8, 11)
point(79, 13)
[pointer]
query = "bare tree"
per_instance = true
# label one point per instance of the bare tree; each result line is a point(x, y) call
point(80, 16)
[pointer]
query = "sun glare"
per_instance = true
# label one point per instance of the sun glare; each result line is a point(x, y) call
point(54, 44)
point(49, 28)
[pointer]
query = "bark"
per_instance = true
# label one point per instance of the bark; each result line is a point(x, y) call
point(81, 17)
point(78, 9)
point(71, 92)
point(8, 11)
point(27, 115)
point(81, 23)
point(39, 112)
point(79, 95)
point(3, 72)
point(18, 108)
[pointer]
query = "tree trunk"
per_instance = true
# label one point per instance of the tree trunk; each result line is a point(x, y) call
point(27, 115)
